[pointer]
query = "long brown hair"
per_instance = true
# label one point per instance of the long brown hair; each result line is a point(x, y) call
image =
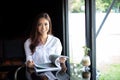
point(35, 34)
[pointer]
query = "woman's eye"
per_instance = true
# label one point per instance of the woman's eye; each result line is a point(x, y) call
point(39, 24)
point(46, 24)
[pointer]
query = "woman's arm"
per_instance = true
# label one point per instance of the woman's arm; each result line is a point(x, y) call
point(28, 53)
point(58, 46)
point(62, 60)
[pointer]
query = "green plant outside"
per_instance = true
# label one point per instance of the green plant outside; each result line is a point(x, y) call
point(113, 73)
point(86, 50)
point(75, 71)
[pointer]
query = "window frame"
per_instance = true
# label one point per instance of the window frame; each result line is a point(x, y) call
point(90, 32)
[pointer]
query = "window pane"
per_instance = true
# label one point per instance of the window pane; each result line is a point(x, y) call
point(107, 41)
point(76, 36)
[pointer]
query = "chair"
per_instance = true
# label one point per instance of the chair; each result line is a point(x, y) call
point(20, 73)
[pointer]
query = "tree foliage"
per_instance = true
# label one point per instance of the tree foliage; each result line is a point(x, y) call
point(76, 6)
point(103, 5)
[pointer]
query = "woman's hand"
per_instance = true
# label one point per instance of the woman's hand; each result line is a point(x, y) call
point(62, 59)
point(30, 64)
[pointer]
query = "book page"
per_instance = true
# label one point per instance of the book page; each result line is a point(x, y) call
point(53, 66)
point(46, 65)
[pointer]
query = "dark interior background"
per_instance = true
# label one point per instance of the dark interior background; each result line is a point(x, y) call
point(16, 16)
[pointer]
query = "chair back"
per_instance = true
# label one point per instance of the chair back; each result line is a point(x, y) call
point(20, 73)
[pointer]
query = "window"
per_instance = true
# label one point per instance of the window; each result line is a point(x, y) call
point(107, 39)
point(76, 21)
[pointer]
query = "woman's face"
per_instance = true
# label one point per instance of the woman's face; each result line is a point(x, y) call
point(43, 26)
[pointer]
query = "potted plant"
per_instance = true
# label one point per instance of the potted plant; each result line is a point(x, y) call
point(86, 62)
point(86, 75)
point(86, 59)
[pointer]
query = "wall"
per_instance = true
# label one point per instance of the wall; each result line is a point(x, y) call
point(17, 16)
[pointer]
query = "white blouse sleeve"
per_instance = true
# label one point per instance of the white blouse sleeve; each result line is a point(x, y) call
point(28, 52)
point(58, 50)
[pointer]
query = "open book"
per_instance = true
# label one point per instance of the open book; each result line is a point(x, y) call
point(53, 66)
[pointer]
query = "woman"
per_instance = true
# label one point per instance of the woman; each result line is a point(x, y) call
point(40, 45)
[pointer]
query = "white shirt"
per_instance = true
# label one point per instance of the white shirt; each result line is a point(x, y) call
point(42, 52)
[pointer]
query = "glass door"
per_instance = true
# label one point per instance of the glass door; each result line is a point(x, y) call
point(76, 21)
point(108, 39)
